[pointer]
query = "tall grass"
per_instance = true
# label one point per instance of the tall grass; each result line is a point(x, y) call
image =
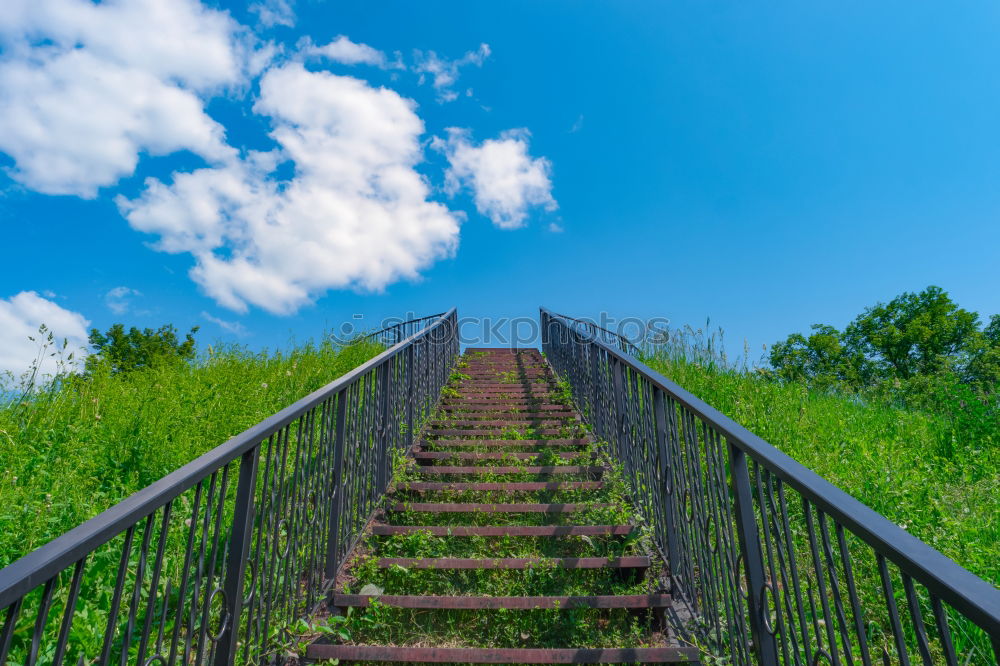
point(937, 482)
point(75, 449)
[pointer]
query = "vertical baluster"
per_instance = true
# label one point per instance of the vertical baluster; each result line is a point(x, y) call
point(40, 621)
point(13, 611)
point(155, 582)
point(820, 582)
point(137, 589)
point(746, 530)
point(185, 573)
point(890, 602)
point(116, 599)
point(239, 550)
point(923, 647)
point(333, 541)
point(68, 613)
point(856, 610)
point(944, 631)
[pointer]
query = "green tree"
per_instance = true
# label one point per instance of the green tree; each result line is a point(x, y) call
point(983, 370)
point(819, 359)
point(913, 334)
point(126, 351)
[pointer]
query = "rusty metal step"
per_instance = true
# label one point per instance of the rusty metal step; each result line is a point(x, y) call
point(493, 433)
point(523, 486)
point(502, 403)
point(511, 603)
point(506, 530)
point(504, 563)
point(492, 455)
point(504, 407)
point(507, 412)
point(528, 469)
point(495, 423)
point(434, 655)
point(453, 507)
point(516, 443)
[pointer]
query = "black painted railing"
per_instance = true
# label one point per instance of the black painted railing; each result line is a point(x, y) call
point(777, 565)
point(217, 561)
point(399, 331)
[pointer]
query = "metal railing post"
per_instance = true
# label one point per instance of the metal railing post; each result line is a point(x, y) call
point(333, 541)
point(666, 487)
point(596, 413)
point(409, 395)
point(239, 551)
point(753, 559)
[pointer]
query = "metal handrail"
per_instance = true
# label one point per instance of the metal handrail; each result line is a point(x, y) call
point(393, 334)
point(363, 414)
point(591, 329)
point(627, 401)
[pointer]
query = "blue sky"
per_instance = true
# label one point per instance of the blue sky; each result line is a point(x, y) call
point(769, 167)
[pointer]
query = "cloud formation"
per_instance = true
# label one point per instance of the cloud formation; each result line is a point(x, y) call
point(273, 12)
point(504, 179)
point(119, 299)
point(234, 327)
point(355, 214)
point(444, 73)
point(85, 88)
point(20, 317)
point(346, 52)
point(88, 88)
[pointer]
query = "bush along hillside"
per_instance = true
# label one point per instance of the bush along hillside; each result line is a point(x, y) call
point(899, 410)
point(147, 403)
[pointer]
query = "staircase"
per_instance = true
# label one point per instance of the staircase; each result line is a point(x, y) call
point(505, 539)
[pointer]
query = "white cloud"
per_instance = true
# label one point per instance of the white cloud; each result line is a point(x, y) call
point(119, 299)
point(20, 318)
point(233, 327)
point(86, 88)
point(504, 179)
point(273, 12)
point(346, 52)
point(354, 215)
point(445, 72)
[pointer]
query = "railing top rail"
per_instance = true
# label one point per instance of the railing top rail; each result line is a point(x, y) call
point(38, 566)
point(624, 343)
point(369, 336)
point(976, 598)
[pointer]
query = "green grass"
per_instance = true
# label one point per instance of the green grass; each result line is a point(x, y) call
point(904, 464)
point(912, 466)
point(72, 451)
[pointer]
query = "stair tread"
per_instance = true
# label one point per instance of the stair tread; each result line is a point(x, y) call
point(473, 507)
point(486, 432)
point(493, 455)
point(528, 469)
point(626, 562)
point(506, 530)
point(524, 603)
point(578, 441)
point(529, 486)
point(502, 655)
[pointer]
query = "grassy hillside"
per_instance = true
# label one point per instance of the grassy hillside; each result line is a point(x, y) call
point(70, 452)
point(914, 467)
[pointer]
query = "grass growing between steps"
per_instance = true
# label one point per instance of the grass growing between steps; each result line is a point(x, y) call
point(498, 628)
point(507, 628)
